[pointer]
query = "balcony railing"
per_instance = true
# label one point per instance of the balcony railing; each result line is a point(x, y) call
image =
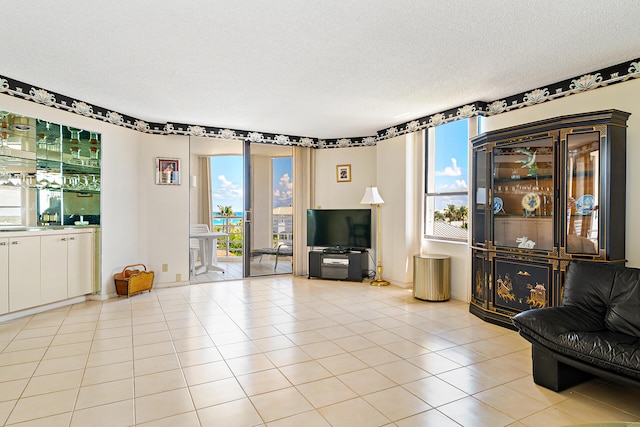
point(231, 245)
point(233, 226)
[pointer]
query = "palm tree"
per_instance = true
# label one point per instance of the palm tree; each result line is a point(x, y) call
point(226, 210)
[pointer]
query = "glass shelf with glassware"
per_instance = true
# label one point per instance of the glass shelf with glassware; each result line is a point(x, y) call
point(49, 172)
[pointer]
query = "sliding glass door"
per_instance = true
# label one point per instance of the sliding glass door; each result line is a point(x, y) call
point(268, 210)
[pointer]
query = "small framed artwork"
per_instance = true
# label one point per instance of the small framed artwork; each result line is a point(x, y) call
point(167, 171)
point(343, 173)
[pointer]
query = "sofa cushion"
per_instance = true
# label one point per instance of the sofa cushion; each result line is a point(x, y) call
point(589, 284)
point(623, 313)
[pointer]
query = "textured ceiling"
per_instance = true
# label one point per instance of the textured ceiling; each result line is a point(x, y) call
point(324, 69)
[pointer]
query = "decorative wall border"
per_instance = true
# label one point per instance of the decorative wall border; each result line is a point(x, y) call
point(604, 77)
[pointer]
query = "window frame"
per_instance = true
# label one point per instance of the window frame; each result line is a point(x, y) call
point(430, 196)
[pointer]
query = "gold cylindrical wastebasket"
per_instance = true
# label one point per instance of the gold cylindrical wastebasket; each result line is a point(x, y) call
point(432, 277)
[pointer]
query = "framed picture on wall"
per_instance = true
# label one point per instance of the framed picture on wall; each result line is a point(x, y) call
point(343, 173)
point(167, 171)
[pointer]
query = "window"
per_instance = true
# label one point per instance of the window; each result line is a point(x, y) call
point(447, 173)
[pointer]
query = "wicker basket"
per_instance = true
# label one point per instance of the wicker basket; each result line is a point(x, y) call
point(133, 280)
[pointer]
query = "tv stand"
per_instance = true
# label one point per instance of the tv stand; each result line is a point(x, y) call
point(352, 266)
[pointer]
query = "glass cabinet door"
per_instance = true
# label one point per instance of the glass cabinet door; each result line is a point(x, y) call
point(481, 196)
point(523, 194)
point(583, 192)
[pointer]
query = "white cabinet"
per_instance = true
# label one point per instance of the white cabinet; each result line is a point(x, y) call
point(80, 264)
point(42, 267)
point(4, 276)
point(24, 272)
point(53, 268)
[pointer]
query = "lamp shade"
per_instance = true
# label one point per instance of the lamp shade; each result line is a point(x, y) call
point(371, 197)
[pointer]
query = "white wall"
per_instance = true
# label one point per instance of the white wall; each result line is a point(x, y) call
point(329, 194)
point(148, 223)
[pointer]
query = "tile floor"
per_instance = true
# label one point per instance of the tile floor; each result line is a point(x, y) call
point(281, 351)
point(233, 269)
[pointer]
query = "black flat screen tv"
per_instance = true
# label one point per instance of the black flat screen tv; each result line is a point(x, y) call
point(345, 228)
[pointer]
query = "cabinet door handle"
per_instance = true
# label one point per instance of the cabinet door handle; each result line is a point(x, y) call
point(64, 239)
point(15, 242)
point(3, 243)
point(72, 238)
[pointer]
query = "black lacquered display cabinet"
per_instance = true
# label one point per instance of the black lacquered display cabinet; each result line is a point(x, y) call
point(545, 193)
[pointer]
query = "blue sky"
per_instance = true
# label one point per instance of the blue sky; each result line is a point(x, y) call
point(452, 163)
point(227, 187)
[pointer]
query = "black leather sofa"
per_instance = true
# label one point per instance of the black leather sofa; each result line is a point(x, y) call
point(596, 331)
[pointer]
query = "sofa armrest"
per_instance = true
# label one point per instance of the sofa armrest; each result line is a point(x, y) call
point(546, 326)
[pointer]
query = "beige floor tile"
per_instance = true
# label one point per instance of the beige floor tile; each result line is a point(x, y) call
point(104, 393)
point(60, 420)
point(16, 372)
point(117, 414)
point(44, 405)
point(468, 380)
point(53, 382)
point(326, 392)
point(37, 333)
point(78, 327)
point(462, 356)
point(375, 356)
point(159, 382)
point(155, 364)
point(187, 419)
point(428, 418)
point(550, 417)
point(273, 343)
point(527, 387)
point(619, 396)
point(433, 342)
point(434, 391)
point(5, 410)
point(110, 356)
point(248, 364)
point(61, 364)
point(238, 413)
point(366, 381)
point(434, 363)
point(112, 343)
point(336, 332)
point(263, 382)
point(152, 350)
point(151, 338)
point(216, 392)
point(589, 410)
point(402, 372)
point(287, 356)
point(207, 372)
point(106, 373)
point(11, 390)
point(66, 350)
point(22, 356)
point(305, 372)
point(29, 343)
point(162, 405)
point(240, 349)
point(305, 337)
point(382, 337)
point(261, 332)
point(307, 419)
point(280, 404)
point(198, 357)
point(511, 402)
point(353, 413)
point(396, 403)
point(322, 349)
point(73, 338)
point(193, 343)
point(406, 349)
point(342, 363)
point(470, 411)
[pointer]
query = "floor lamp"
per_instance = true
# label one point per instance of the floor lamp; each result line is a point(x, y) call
point(372, 197)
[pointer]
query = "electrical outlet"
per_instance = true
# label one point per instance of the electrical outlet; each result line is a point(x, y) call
point(165, 268)
point(178, 277)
